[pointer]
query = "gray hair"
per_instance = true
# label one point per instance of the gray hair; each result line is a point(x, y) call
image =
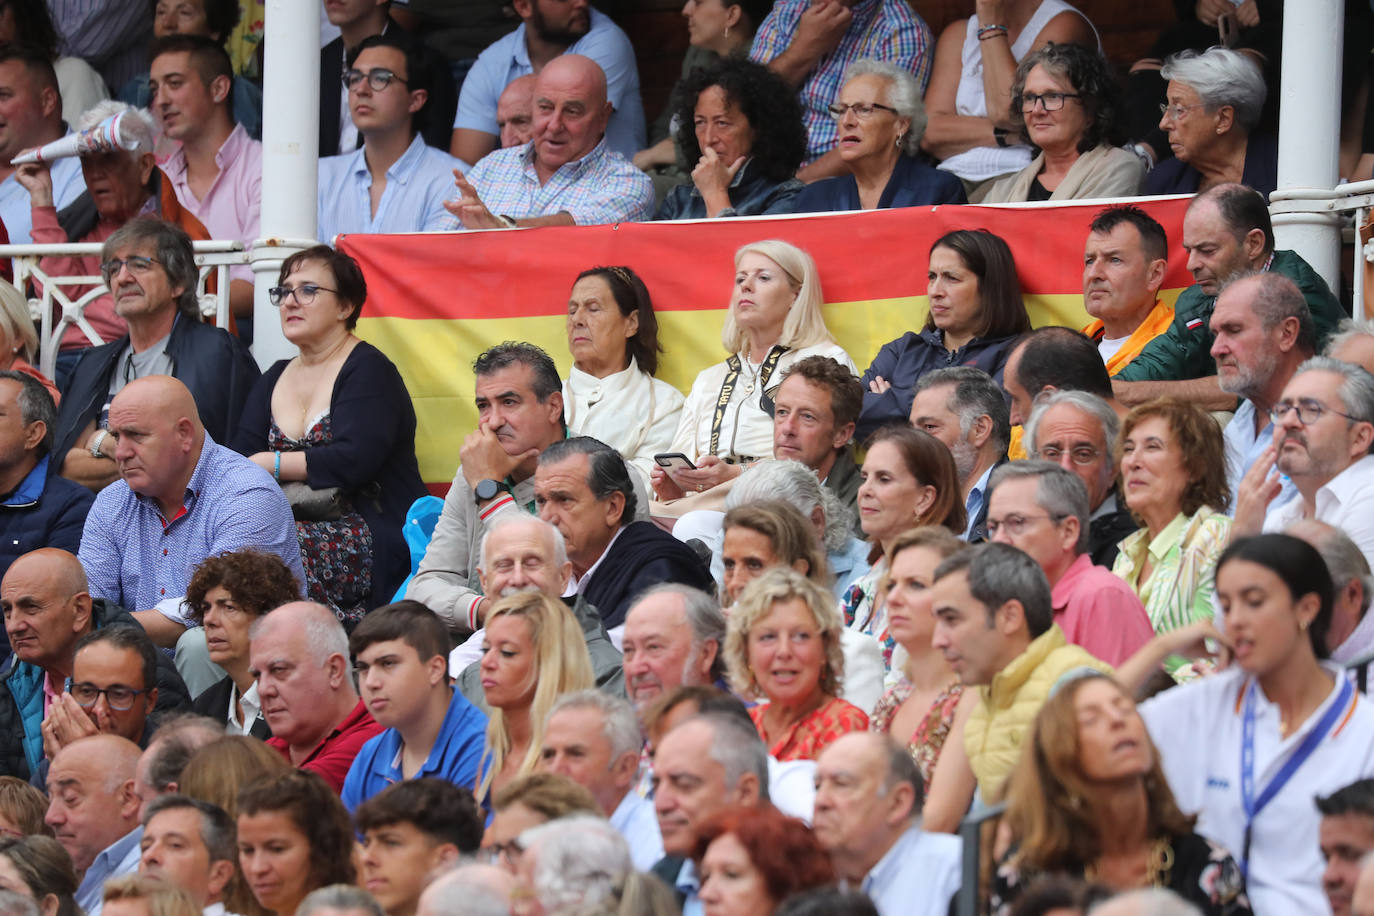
point(901, 768)
point(340, 897)
point(172, 249)
point(1356, 391)
point(704, 617)
point(35, 403)
point(1276, 299)
point(17, 322)
point(619, 724)
point(998, 573)
point(1220, 77)
point(1061, 493)
point(1149, 901)
point(13, 903)
point(139, 126)
point(217, 830)
point(1347, 330)
point(580, 864)
point(607, 472)
point(737, 748)
point(1087, 402)
point(975, 395)
point(324, 633)
point(462, 891)
point(1344, 559)
point(903, 94)
point(505, 519)
point(793, 483)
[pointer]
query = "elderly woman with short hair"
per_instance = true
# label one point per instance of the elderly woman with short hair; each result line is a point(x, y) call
point(1215, 100)
point(881, 120)
point(1063, 104)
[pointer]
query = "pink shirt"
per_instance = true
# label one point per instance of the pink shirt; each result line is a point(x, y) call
point(1100, 612)
point(231, 208)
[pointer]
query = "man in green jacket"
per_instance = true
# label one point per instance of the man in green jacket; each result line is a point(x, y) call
point(1226, 232)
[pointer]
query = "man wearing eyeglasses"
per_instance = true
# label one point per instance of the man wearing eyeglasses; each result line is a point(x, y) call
point(1323, 434)
point(109, 692)
point(394, 182)
point(1042, 509)
point(151, 270)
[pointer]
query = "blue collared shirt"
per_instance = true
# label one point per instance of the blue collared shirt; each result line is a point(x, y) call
point(508, 58)
point(917, 876)
point(601, 187)
point(974, 505)
point(116, 860)
point(139, 560)
point(635, 820)
point(689, 886)
point(848, 565)
point(16, 209)
point(417, 185)
point(457, 751)
point(1243, 448)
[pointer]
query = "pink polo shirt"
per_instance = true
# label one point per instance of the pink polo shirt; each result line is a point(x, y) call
point(232, 207)
point(1100, 612)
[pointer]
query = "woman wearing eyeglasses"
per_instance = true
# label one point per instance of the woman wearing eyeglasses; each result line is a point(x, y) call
point(1063, 104)
point(742, 127)
point(334, 425)
point(881, 120)
point(1173, 477)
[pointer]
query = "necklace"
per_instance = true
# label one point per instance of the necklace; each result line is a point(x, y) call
point(1159, 864)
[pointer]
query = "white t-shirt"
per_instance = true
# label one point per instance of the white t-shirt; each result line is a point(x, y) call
point(1109, 348)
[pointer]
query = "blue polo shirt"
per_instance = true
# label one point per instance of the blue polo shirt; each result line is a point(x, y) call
point(454, 757)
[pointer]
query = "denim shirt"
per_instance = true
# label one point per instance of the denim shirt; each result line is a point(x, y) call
point(751, 194)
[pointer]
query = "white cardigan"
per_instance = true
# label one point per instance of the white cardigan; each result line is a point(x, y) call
point(630, 410)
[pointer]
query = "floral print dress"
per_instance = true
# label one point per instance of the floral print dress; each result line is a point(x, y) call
point(929, 737)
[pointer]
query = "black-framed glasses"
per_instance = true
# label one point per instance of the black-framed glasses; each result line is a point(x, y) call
point(1053, 101)
point(1082, 455)
point(137, 264)
point(304, 294)
point(1015, 524)
point(378, 78)
point(862, 110)
point(1309, 411)
point(119, 697)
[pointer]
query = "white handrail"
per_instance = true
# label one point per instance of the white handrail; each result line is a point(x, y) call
point(56, 310)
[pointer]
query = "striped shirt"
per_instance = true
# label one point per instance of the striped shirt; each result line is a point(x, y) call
point(887, 30)
point(1184, 556)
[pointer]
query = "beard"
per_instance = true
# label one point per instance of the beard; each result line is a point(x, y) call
point(965, 459)
point(1248, 381)
point(567, 35)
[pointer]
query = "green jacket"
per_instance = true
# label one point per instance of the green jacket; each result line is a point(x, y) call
point(1184, 350)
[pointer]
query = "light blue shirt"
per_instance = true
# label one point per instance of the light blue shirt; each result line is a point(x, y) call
point(848, 565)
point(918, 876)
point(417, 185)
point(116, 860)
point(17, 210)
point(688, 885)
point(635, 820)
point(1243, 448)
point(974, 504)
point(508, 58)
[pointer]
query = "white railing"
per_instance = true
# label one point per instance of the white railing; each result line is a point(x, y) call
point(1347, 206)
point(56, 309)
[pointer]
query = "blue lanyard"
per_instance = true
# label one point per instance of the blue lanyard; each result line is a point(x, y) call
point(1254, 805)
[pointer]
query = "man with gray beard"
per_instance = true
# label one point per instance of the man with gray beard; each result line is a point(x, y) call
point(965, 409)
point(1263, 331)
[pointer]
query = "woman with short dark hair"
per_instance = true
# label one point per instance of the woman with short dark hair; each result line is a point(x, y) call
point(335, 427)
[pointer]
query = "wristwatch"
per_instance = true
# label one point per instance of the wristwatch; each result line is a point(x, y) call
point(487, 490)
point(97, 442)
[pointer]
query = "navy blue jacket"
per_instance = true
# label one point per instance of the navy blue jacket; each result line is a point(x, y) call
point(912, 184)
point(644, 555)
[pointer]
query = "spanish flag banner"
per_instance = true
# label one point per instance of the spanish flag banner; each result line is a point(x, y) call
point(437, 300)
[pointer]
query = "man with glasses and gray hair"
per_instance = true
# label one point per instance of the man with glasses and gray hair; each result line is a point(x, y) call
point(1042, 509)
point(1323, 432)
point(151, 271)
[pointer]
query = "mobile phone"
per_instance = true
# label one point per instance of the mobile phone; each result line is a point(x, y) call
point(674, 461)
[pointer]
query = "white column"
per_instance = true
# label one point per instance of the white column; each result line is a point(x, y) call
point(290, 157)
point(1309, 133)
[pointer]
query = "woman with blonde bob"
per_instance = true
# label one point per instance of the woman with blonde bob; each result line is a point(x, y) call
point(533, 651)
point(1090, 801)
point(774, 322)
point(783, 644)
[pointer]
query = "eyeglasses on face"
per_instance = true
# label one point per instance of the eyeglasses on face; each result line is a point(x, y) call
point(1015, 524)
point(304, 294)
point(1176, 112)
point(1079, 454)
point(137, 264)
point(862, 110)
point(1053, 101)
point(1309, 411)
point(378, 78)
point(119, 697)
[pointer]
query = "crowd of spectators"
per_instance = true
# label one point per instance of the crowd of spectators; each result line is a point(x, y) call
point(757, 647)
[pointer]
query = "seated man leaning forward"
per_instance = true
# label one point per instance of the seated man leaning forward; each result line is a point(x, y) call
point(183, 497)
point(566, 175)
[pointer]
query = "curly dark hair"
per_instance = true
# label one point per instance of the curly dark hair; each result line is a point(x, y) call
point(1091, 77)
point(258, 581)
point(767, 103)
point(315, 810)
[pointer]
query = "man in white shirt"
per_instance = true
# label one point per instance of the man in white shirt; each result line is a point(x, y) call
point(964, 408)
point(1323, 433)
point(189, 843)
point(593, 738)
point(868, 811)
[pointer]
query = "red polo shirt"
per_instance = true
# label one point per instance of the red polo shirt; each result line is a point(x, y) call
point(332, 757)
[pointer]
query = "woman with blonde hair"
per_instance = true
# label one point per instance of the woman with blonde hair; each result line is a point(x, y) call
point(135, 895)
point(783, 645)
point(533, 651)
point(1090, 801)
point(19, 337)
point(774, 321)
point(22, 808)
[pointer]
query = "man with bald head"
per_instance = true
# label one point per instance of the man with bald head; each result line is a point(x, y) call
point(468, 890)
point(299, 657)
point(93, 811)
point(869, 797)
point(182, 497)
point(48, 610)
point(515, 112)
point(567, 174)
